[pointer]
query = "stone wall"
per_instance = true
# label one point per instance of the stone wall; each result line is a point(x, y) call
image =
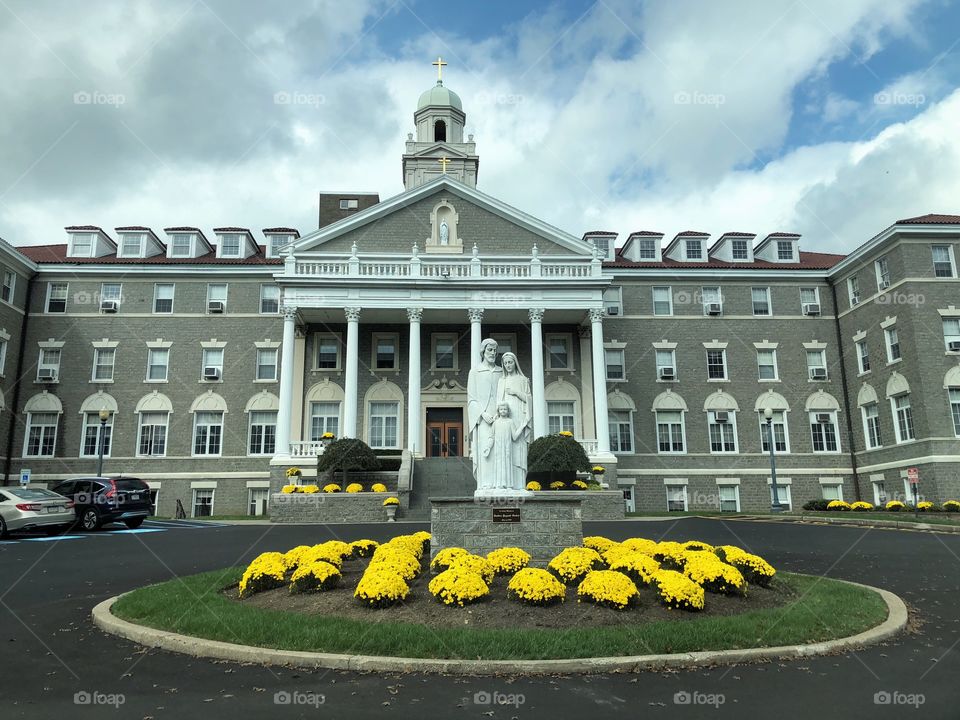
point(597, 504)
point(328, 508)
point(547, 524)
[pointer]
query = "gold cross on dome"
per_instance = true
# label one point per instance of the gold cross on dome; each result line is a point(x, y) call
point(440, 65)
point(443, 163)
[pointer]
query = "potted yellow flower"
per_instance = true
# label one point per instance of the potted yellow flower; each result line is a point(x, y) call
point(294, 475)
point(390, 505)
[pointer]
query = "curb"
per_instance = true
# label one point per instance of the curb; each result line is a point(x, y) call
point(861, 522)
point(104, 619)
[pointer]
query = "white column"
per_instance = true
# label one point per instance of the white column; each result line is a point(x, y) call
point(414, 431)
point(350, 370)
point(476, 337)
point(599, 380)
point(285, 412)
point(536, 373)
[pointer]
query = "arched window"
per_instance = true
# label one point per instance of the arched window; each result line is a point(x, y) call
point(90, 413)
point(153, 412)
point(721, 409)
point(620, 410)
point(323, 408)
point(262, 412)
point(440, 131)
point(822, 409)
point(951, 383)
point(563, 408)
point(778, 421)
point(208, 412)
point(870, 414)
point(669, 408)
point(43, 413)
point(384, 404)
point(898, 391)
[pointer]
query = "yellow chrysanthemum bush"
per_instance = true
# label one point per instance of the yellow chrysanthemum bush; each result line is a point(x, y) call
point(266, 572)
point(578, 485)
point(392, 558)
point(671, 555)
point(951, 506)
point(378, 487)
point(647, 547)
point(508, 560)
point(753, 567)
point(363, 548)
point(315, 577)
point(839, 505)
point(408, 543)
point(557, 485)
point(458, 586)
point(534, 586)
point(572, 564)
point(446, 556)
point(319, 553)
point(534, 486)
point(861, 506)
point(331, 488)
point(391, 501)
point(608, 588)
point(343, 549)
point(697, 545)
point(290, 489)
point(380, 587)
point(713, 575)
point(675, 590)
point(636, 566)
point(474, 563)
point(895, 506)
point(925, 506)
point(354, 488)
point(598, 543)
point(309, 489)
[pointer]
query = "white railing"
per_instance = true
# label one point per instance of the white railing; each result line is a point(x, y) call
point(306, 448)
point(589, 446)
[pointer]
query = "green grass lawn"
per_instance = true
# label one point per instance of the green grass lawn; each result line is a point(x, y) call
point(193, 605)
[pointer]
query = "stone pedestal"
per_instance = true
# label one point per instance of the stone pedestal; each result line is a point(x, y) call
point(543, 525)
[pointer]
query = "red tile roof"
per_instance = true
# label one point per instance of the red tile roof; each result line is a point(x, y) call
point(692, 233)
point(134, 227)
point(232, 229)
point(808, 261)
point(599, 232)
point(282, 230)
point(183, 228)
point(783, 235)
point(83, 227)
point(931, 219)
point(58, 254)
point(646, 233)
point(737, 234)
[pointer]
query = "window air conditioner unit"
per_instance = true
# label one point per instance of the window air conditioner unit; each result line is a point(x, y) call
point(46, 374)
point(953, 346)
point(211, 373)
point(215, 306)
point(884, 284)
point(613, 310)
point(811, 308)
point(109, 306)
point(713, 308)
point(818, 373)
point(667, 373)
point(823, 418)
point(721, 418)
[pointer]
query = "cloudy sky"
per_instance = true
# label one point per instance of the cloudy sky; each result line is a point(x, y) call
point(828, 118)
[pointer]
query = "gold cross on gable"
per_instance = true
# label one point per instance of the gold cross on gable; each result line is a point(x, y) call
point(440, 65)
point(443, 163)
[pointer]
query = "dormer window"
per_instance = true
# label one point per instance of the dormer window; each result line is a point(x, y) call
point(694, 249)
point(82, 245)
point(130, 245)
point(180, 245)
point(740, 249)
point(784, 250)
point(648, 249)
point(230, 245)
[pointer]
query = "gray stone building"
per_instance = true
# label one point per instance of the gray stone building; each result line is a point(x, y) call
point(220, 356)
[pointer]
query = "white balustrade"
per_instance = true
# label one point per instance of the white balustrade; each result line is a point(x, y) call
point(445, 268)
point(306, 448)
point(589, 446)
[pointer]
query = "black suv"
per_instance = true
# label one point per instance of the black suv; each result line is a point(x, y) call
point(100, 500)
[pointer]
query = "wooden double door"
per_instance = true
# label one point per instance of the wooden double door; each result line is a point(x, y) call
point(444, 432)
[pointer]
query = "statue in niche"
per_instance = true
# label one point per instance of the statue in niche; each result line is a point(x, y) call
point(444, 233)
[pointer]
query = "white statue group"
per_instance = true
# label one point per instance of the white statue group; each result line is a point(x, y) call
point(499, 413)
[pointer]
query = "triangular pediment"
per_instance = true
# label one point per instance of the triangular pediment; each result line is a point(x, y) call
point(396, 224)
point(439, 150)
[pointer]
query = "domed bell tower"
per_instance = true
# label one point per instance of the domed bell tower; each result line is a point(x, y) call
point(439, 148)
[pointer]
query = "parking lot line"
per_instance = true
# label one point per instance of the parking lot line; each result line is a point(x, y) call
point(55, 538)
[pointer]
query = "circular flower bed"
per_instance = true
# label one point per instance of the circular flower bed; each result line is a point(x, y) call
point(508, 560)
point(608, 589)
point(533, 586)
point(458, 586)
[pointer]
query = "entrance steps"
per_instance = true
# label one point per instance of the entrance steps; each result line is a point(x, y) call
point(439, 477)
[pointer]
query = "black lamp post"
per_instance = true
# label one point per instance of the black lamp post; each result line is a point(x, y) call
point(104, 417)
point(775, 506)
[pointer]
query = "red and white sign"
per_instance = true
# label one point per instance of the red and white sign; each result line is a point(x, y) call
point(913, 475)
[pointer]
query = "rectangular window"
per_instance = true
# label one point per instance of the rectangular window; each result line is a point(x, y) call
point(879, 492)
point(41, 437)
point(180, 245)
point(263, 433)
point(817, 364)
point(269, 299)
point(882, 268)
point(761, 301)
point(662, 301)
point(3, 356)
point(809, 296)
point(778, 423)
point(48, 365)
point(163, 298)
point(9, 285)
point(823, 431)
point(558, 348)
point(666, 365)
point(954, 396)
point(670, 432)
point(111, 292)
point(621, 431)
point(951, 334)
point(943, 261)
point(444, 348)
point(158, 360)
point(832, 492)
point(729, 498)
point(130, 245)
point(328, 352)
point(784, 250)
point(217, 292)
point(385, 351)
point(603, 247)
point(207, 433)
point(267, 363)
point(648, 247)
point(893, 344)
point(92, 435)
point(767, 364)
point(212, 359)
point(258, 501)
point(853, 290)
point(324, 418)
point(82, 245)
point(614, 359)
point(676, 498)
point(230, 245)
point(560, 416)
point(712, 299)
point(863, 356)
point(349, 204)
point(202, 502)
point(903, 414)
point(103, 362)
point(717, 364)
point(694, 249)
point(153, 434)
point(613, 301)
point(384, 424)
point(740, 249)
point(57, 297)
point(871, 426)
point(723, 432)
point(783, 495)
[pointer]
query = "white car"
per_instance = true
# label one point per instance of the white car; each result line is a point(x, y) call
point(32, 508)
